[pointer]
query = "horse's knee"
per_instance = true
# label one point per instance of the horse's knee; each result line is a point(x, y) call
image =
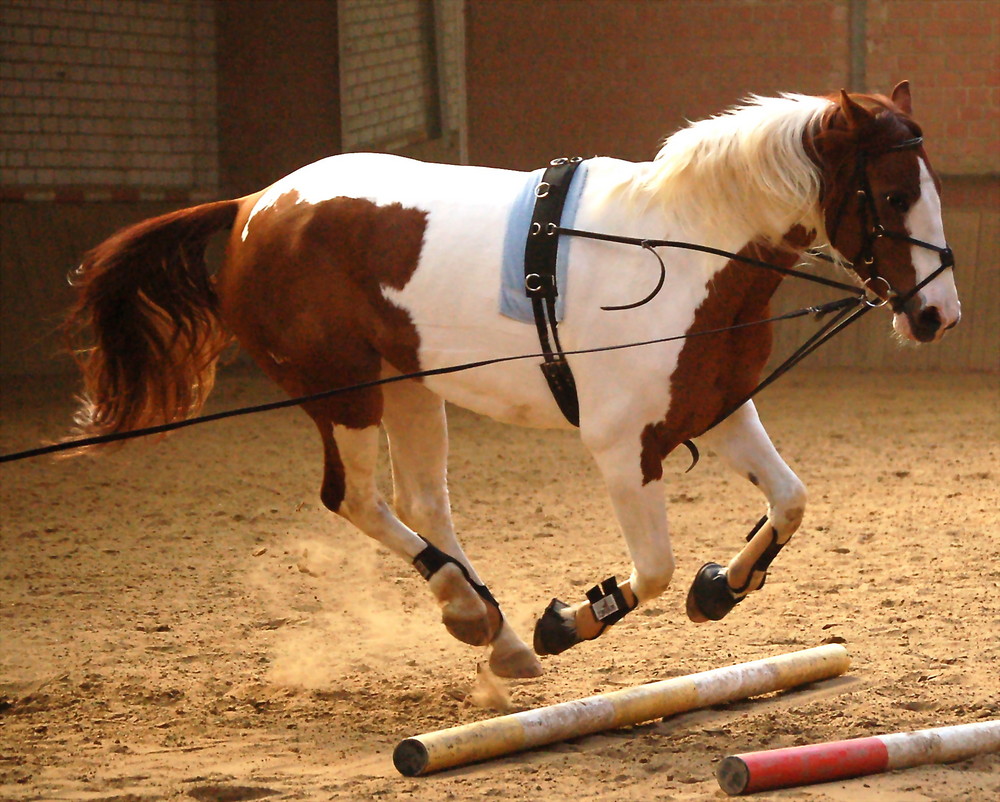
point(791, 503)
point(648, 583)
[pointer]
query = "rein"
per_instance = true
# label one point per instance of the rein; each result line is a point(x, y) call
point(848, 310)
point(651, 244)
point(841, 305)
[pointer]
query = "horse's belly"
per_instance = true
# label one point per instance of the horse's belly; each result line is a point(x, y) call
point(503, 394)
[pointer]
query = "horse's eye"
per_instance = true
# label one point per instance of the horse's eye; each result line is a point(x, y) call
point(898, 201)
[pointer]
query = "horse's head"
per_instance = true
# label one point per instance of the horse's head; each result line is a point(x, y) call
point(882, 210)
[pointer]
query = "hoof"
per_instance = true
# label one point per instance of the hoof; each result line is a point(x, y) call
point(710, 597)
point(473, 631)
point(554, 632)
point(463, 612)
point(520, 664)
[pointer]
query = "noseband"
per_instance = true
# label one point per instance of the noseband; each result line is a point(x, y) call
point(873, 230)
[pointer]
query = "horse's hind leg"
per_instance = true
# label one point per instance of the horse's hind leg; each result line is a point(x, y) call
point(744, 445)
point(349, 489)
point(414, 419)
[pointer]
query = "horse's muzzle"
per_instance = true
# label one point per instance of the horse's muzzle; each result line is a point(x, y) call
point(924, 324)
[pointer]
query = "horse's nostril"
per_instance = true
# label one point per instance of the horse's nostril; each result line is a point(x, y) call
point(929, 318)
point(928, 322)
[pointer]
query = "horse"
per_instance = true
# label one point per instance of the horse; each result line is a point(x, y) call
point(363, 267)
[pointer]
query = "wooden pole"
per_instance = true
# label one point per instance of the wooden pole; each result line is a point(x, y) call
point(839, 760)
point(482, 740)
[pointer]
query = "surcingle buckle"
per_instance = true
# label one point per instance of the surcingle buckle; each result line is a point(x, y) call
point(607, 602)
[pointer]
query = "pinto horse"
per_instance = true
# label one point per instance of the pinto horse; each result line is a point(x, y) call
point(363, 266)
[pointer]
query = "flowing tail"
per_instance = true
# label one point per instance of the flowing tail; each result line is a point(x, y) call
point(153, 315)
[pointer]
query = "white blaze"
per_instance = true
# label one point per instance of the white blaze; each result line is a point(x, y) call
point(923, 222)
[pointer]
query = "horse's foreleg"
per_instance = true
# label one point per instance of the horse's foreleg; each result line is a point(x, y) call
point(744, 445)
point(641, 512)
point(414, 419)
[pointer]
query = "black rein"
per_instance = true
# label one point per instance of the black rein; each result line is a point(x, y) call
point(848, 310)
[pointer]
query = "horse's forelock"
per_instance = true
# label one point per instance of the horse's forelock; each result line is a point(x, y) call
point(833, 137)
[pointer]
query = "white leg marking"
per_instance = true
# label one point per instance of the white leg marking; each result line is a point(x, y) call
point(363, 505)
point(744, 445)
point(463, 612)
point(641, 512)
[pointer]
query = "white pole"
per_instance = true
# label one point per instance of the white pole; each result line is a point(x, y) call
point(482, 740)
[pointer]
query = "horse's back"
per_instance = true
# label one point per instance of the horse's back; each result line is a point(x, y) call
point(385, 179)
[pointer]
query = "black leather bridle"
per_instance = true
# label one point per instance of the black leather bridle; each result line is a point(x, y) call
point(872, 230)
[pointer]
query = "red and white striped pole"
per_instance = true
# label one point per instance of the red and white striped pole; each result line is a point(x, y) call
point(840, 760)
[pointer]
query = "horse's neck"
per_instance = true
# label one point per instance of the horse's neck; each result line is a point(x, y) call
point(687, 212)
point(618, 204)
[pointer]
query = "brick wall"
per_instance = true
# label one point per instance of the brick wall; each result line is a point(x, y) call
point(107, 99)
point(950, 52)
point(596, 76)
point(599, 76)
point(401, 65)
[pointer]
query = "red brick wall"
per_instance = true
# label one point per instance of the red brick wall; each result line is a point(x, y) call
point(950, 52)
point(593, 76)
point(598, 76)
point(279, 93)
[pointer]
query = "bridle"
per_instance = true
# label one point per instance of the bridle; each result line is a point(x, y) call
point(872, 230)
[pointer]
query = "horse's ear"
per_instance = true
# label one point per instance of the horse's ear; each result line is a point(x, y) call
point(901, 97)
point(856, 115)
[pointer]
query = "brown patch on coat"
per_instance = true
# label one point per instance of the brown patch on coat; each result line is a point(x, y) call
point(303, 295)
point(715, 371)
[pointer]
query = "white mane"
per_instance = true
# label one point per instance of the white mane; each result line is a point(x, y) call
point(746, 168)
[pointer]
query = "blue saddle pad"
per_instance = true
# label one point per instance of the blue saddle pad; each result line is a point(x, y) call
point(513, 302)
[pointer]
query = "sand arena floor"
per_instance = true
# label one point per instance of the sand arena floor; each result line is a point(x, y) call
point(186, 621)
